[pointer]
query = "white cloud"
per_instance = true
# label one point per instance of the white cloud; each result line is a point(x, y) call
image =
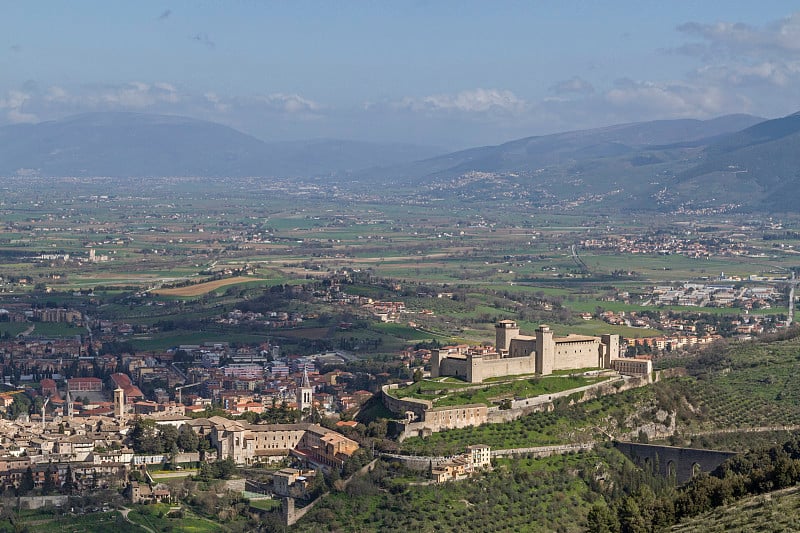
point(290, 103)
point(729, 37)
point(56, 94)
point(219, 105)
point(471, 101)
point(575, 84)
point(13, 103)
point(741, 55)
point(135, 95)
point(18, 117)
point(777, 73)
point(673, 99)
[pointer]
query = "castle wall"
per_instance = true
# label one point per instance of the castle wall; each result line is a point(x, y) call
point(579, 354)
point(522, 354)
point(403, 405)
point(441, 419)
point(450, 366)
point(456, 417)
point(522, 347)
point(508, 366)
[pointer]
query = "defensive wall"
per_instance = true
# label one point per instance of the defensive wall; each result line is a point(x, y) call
point(682, 463)
point(524, 354)
point(435, 419)
point(543, 451)
point(37, 502)
point(402, 406)
point(423, 462)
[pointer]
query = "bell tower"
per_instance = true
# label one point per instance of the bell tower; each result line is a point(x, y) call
point(304, 395)
point(119, 403)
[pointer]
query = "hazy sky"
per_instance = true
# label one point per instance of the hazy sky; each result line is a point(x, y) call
point(452, 74)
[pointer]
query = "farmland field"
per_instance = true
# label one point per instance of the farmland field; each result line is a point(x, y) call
point(206, 287)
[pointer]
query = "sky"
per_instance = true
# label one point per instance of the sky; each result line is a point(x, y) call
point(450, 74)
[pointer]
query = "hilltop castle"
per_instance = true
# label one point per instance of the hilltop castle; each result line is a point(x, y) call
point(524, 354)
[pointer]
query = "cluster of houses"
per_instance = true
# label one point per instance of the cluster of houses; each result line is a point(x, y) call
point(24, 313)
point(87, 447)
point(701, 295)
point(242, 379)
point(665, 245)
point(270, 319)
point(476, 457)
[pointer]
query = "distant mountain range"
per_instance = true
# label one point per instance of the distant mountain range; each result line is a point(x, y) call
point(760, 164)
point(735, 159)
point(563, 149)
point(135, 144)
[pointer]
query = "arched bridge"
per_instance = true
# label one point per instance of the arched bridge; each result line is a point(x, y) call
point(670, 460)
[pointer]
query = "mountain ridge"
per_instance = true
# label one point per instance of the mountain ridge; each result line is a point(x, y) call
point(733, 160)
point(120, 144)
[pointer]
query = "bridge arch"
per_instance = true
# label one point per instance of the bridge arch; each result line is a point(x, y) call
point(685, 463)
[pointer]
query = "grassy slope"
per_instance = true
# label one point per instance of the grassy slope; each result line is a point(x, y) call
point(775, 512)
point(520, 495)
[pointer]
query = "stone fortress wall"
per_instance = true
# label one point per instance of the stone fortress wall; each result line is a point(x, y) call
point(516, 354)
point(523, 354)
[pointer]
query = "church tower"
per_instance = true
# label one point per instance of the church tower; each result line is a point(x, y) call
point(304, 395)
point(70, 405)
point(119, 403)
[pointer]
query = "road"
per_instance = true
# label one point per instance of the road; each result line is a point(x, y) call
point(27, 331)
point(124, 512)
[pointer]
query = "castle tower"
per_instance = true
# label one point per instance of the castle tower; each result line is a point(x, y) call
point(119, 403)
point(304, 395)
point(545, 350)
point(610, 348)
point(436, 361)
point(70, 405)
point(474, 367)
point(504, 331)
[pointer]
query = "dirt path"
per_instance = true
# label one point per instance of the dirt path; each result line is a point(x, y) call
point(124, 512)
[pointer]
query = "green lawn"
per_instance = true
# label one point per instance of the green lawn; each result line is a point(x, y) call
point(53, 329)
point(13, 328)
point(157, 518)
point(265, 505)
point(449, 393)
point(46, 522)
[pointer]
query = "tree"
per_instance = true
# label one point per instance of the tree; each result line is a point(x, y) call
point(144, 438)
point(630, 517)
point(20, 405)
point(169, 439)
point(69, 484)
point(188, 441)
point(49, 481)
point(225, 468)
point(602, 520)
point(26, 483)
